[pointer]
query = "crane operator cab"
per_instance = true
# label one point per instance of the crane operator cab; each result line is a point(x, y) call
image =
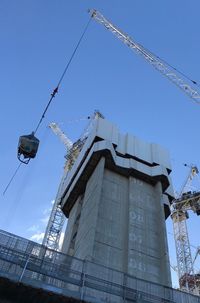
point(27, 148)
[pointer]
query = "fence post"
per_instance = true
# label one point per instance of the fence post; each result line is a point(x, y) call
point(83, 279)
point(25, 266)
point(124, 286)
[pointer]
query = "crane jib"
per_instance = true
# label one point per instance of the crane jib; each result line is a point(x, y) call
point(163, 67)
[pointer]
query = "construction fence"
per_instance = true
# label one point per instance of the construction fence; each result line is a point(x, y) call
point(25, 261)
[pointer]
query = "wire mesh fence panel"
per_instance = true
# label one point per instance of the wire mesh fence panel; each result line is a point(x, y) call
point(91, 295)
point(183, 297)
point(36, 265)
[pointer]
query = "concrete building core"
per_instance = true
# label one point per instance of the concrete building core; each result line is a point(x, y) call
point(117, 197)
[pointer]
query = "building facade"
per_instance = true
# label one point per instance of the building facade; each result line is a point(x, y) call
point(117, 197)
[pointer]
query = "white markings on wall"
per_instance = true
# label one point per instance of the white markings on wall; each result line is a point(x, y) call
point(137, 181)
point(135, 238)
point(136, 264)
point(137, 216)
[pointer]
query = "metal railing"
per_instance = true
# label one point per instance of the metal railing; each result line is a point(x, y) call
point(33, 264)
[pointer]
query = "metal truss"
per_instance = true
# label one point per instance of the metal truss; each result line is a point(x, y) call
point(183, 251)
point(155, 61)
point(54, 227)
point(187, 200)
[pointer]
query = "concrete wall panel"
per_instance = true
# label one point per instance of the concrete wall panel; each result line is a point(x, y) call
point(88, 219)
point(124, 183)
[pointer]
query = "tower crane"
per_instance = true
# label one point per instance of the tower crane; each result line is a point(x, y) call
point(57, 219)
point(160, 65)
point(186, 201)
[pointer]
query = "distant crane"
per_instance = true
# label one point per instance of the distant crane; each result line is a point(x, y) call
point(57, 219)
point(160, 65)
point(56, 129)
point(189, 200)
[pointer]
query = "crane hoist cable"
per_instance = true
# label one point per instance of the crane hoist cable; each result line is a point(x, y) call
point(55, 91)
point(14, 174)
point(28, 144)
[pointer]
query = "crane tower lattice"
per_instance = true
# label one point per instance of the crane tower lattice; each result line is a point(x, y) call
point(188, 200)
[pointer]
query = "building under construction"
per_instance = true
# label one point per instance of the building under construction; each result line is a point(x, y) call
point(116, 193)
point(117, 197)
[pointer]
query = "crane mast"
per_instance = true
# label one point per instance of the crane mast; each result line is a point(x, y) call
point(156, 62)
point(54, 227)
point(183, 251)
point(180, 206)
point(57, 219)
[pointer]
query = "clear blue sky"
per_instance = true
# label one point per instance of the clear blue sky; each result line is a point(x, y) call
point(37, 39)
